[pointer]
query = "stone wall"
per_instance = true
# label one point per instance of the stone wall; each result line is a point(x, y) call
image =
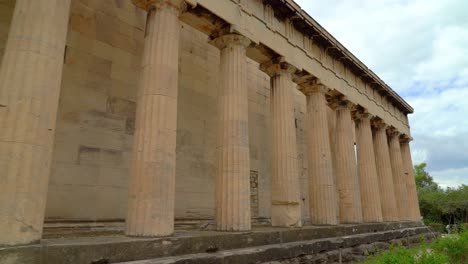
point(96, 111)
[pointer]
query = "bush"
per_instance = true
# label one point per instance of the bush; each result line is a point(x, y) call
point(436, 227)
point(455, 247)
point(465, 226)
point(452, 249)
point(446, 206)
point(431, 258)
point(395, 255)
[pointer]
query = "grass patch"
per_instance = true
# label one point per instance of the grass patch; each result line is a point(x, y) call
point(444, 250)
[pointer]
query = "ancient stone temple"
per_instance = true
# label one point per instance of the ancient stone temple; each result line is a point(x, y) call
point(137, 116)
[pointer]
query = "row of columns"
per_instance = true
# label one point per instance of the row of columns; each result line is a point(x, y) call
point(379, 186)
point(342, 188)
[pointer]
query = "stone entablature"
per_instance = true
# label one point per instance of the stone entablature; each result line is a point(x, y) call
point(258, 20)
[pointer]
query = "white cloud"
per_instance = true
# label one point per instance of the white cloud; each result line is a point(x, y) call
point(392, 37)
point(420, 48)
point(448, 55)
point(419, 155)
point(457, 177)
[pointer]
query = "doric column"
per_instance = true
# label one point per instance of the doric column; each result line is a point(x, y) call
point(368, 181)
point(285, 191)
point(384, 172)
point(233, 176)
point(331, 116)
point(346, 171)
point(399, 181)
point(152, 180)
point(414, 212)
point(30, 78)
point(322, 190)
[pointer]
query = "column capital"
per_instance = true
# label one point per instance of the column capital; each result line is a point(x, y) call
point(230, 39)
point(362, 114)
point(404, 138)
point(340, 103)
point(313, 86)
point(392, 132)
point(277, 66)
point(378, 123)
point(147, 5)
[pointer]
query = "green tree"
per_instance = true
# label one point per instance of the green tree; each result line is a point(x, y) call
point(446, 206)
point(423, 179)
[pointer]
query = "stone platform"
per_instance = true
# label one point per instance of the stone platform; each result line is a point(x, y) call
point(262, 244)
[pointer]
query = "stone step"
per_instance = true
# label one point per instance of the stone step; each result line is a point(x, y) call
point(335, 249)
point(120, 248)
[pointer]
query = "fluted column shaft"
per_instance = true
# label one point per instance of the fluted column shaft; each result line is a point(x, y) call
point(414, 212)
point(399, 181)
point(384, 172)
point(30, 78)
point(346, 171)
point(233, 176)
point(368, 181)
point(322, 189)
point(152, 180)
point(285, 192)
point(331, 116)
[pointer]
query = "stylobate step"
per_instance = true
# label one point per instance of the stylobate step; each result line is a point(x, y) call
point(332, 249)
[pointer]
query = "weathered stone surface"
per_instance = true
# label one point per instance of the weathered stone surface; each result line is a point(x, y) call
point(258, 245)
point(100, 116)
point(30, 75)
point(322, 188)
point(347, 180)
point(384, 173)
point(367, 170)
point(413, 206)
point(233, 175)
point(285, 193)
point(399, 179)
point(151, 190)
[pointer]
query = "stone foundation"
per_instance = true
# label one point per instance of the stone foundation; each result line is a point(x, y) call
point(356, 253)
point(262, 244)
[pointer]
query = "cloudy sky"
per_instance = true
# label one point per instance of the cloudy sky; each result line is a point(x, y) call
point(419, 48)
